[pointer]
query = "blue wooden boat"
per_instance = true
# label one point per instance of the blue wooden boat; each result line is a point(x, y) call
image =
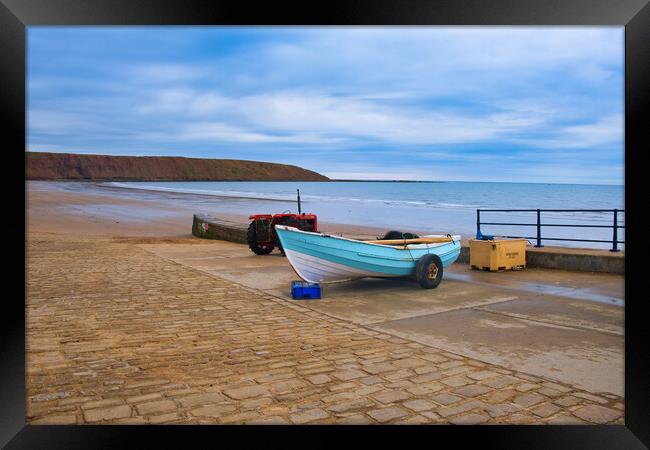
point(324, 258)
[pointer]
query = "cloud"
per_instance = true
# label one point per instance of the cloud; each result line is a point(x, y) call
point(383, 175)
point(55, 123)
point(220, 132)
point(165, 73)
point(299, 115)
point(603, 132)
point(438, 60)
point(421, 101)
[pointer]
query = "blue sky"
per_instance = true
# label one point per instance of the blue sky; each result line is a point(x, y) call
point(524, 104)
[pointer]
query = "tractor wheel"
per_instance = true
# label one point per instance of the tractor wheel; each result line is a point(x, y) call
point(256, 247)
point(277, 242)
point(428, 271)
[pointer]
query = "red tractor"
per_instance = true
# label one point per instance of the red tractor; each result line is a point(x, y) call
point(261, 236)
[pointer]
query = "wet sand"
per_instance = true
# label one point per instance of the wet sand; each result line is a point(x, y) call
point(101, 210)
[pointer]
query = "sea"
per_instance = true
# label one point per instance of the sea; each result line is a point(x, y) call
point(425, 207)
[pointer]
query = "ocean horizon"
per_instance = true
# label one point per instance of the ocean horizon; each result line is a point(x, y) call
point(464, 181)
point(420, 206)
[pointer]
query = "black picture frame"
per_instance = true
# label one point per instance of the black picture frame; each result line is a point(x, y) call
point(16, 15)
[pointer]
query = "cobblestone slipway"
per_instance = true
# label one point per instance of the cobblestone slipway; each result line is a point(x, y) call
point(118, 335)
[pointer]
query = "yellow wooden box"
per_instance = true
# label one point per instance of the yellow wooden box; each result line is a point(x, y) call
point(498, 254)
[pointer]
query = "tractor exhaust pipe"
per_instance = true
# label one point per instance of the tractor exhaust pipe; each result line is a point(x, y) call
point(299, 210)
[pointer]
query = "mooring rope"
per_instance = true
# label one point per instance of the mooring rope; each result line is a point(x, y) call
point(407, 247)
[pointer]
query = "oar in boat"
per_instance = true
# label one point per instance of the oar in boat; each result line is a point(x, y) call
point(430, 240)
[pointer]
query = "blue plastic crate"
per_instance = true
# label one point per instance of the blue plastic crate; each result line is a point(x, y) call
point(303, 290)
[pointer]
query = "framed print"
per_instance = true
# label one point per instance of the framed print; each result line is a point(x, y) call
point(348, 215)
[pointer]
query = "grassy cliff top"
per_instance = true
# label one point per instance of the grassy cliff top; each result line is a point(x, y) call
point(69, 166)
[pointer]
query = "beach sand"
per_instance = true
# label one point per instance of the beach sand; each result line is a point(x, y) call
point(131, 320)
point(101, 210)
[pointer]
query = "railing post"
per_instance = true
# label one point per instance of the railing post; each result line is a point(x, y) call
point(539, 229)
point(615, 233)
point(478, 223)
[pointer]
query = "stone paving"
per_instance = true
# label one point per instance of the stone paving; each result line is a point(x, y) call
point(117, 335)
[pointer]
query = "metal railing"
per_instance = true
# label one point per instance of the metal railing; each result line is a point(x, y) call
point(538, 225)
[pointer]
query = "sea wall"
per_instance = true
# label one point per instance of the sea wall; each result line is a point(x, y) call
point(585, 260)
point(211, 228)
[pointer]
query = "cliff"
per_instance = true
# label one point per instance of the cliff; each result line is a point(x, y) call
point(68, 166)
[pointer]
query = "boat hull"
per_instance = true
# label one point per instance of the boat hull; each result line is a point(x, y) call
point(322, 258)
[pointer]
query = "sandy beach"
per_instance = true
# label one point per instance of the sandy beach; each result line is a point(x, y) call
point(103, 210)
point(132, 320)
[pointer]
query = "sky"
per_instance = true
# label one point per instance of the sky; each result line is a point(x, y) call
point(520, 104)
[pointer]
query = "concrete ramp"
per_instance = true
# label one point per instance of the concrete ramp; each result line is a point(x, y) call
point(566, 326)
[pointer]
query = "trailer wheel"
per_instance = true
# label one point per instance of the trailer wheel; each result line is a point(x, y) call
point(257, 247)
point(399, 235)
point(428, 271)
point(392, 235)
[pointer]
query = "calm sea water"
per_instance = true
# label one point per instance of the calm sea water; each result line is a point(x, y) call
point(436, 207)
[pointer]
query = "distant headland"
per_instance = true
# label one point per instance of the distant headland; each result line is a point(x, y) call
point(386, 181)
point(80, 167)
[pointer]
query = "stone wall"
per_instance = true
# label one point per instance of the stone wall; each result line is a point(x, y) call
point(587, 261)
point(584, 260)
point(211, 228)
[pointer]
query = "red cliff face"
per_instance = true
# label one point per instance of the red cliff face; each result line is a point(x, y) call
point(68, 166)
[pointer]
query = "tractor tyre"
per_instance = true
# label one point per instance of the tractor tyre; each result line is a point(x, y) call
point(256, 247)
point(280, 247)
point(428, 271)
